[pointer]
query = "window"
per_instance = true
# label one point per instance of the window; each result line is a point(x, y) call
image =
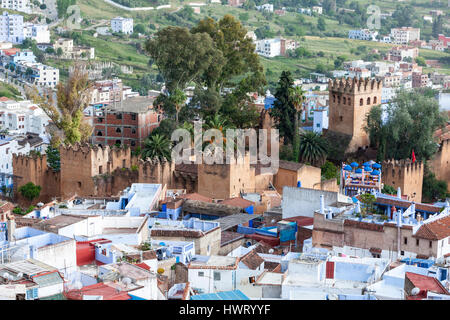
point(124, 162)
point(344, 100)
point(99, 133)
point(100, 169)
point(405, 240)
point(361, 102)
point(417, 242)
point(201, 274)
point(133, 130)
point(339, 99)
point(431, 244)
point(118, 130)
point(334, 98)
point(368, 100)
point(119, 116)
point(216, 276)
point(133, 117)
point(374, 99)
point(341, 118)
point(133, 143)
point(402, 253)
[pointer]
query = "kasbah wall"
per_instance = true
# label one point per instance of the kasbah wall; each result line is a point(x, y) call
point(406, 175)
point(87, 171)
point(440, 162)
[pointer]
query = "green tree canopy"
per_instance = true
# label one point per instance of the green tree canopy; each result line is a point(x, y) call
point(183, 57)
point(66, 112)
point(388, 189)
point(30, 191)
point(283, 110)
point(157, 146)
point(313, 148)
point(410, 122)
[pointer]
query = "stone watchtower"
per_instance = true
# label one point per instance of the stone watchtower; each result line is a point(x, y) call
point(406, 175)
point(350, 102)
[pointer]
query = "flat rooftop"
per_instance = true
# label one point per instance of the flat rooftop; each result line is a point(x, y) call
point(28, 267)
point(140, 104)
point(119, 230)
point(213, 262)
point(270, 278)
point(58, 222)
point(130, 270)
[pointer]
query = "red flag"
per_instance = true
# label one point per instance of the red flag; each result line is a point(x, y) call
point(413, 157)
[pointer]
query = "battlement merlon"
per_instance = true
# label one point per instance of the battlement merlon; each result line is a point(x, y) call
point(405, 164)
point(354, 86)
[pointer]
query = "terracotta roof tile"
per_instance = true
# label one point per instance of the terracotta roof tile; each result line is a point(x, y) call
point(252, 260)
point(426, 283)
point(436, 230)
point(238, 202)
point(195, 196)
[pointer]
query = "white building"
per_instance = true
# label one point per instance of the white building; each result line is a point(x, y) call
point(320, 119)
point(386, 39)
point(265, 7)
point(209, 274)
point(11, 28)
point(268, 47)
point(17, 5)
point(317, 9)
point(21, 117)
point(38, 32)
point(363, 34)
point(8, 146)
point(124, 25)
point(43, 75)
point(404, 35)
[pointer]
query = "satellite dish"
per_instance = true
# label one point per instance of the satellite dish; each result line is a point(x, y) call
point(333, 297)
point(39, 204)
point(5, 275)
point(273, 221)
point(415, 291)
point(270, 250)
point(20, 275)
point(126, 281)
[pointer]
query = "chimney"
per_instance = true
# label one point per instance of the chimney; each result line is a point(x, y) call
point(399, 217)
point(11, 224)
point(322, 204)
point(330, 214)
point(399, 193)
point(358, 207)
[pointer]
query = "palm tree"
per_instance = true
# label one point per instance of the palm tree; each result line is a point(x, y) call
point(178, 98)
point(157, 146)
point(313, 148)
point(220, 123)
point(297, 97)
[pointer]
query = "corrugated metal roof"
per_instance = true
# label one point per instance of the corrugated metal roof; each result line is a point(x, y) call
point(225, 295)
point(48, 279)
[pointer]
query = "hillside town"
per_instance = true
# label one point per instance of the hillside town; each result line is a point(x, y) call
point(331, 182)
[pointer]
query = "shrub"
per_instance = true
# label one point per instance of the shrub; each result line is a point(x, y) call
point(18, 210)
